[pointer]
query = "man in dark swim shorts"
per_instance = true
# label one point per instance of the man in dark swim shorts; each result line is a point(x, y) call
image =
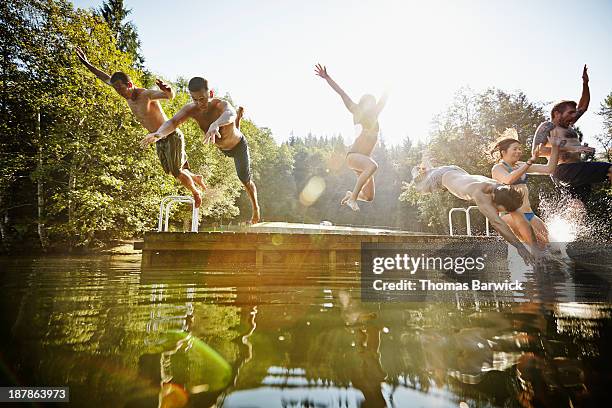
point(218, 119)
point(572, 174)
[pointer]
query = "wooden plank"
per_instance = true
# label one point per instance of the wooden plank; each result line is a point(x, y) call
point(272, 245)
point(278, 242)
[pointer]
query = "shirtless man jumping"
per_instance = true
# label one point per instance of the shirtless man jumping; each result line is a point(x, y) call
point(490, 196)
point(144, 104)
point(217, 118)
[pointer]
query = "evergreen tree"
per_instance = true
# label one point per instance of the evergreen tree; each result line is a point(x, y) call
point(125, 33)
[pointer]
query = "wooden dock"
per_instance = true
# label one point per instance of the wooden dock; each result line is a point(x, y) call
point(277, 243)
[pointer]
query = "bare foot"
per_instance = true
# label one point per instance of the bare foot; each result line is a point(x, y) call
point(348, 200)
point(255, 218)
point(239, 114)
point(419, 173)
point(197, 198)
point(352, 204)
point(347, 197)
point(199, 180)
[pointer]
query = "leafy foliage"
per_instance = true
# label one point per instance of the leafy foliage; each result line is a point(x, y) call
point(74, 139)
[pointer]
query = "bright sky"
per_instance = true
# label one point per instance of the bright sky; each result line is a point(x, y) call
point(263, 53)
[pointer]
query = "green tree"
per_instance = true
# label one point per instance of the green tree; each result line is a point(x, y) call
point(605, 138)
point(125, 33)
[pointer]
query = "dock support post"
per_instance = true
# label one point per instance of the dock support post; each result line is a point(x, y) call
point(332, 260)
point(146, 258)
point(258, 258)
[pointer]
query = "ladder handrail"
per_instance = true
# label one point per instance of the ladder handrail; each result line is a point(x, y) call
point(164, 209)
point(468, 220)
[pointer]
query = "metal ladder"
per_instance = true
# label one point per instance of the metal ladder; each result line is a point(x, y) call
point(468, 220)
point(166, 205)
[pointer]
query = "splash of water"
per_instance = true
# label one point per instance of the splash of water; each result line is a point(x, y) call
point(561, 230)
point(564, 218)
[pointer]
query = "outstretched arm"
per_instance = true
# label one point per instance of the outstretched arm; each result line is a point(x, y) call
point(551, 166)
point(169, 126)
point(499, 173)
point(541, 137)
point(228, 116)
point(585, 98)
point(103, 76)
point(489, 211)
point(321, 71)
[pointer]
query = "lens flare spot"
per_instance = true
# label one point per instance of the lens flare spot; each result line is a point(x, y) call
point(313, 190)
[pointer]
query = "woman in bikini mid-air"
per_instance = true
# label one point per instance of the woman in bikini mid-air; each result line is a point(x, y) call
point(365, 113)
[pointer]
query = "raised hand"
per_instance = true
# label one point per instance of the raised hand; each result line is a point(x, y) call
point(79, 52)
point(536, 152)
point(148, 139)
point(554, 139)
point(321, 70)
point(585, 75)
point(163, 86)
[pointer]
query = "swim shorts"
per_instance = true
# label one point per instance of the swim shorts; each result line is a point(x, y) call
point(242, 159)
point(171, 153)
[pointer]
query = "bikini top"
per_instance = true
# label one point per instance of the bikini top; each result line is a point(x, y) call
point(522, 180)
point(369, 125)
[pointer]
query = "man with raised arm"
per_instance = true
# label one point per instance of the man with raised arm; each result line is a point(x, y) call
point(144, 104)
point(490, 196)
point(572, 173)
point(218, 120)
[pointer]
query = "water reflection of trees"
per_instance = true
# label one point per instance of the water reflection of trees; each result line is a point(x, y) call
point(477, 356)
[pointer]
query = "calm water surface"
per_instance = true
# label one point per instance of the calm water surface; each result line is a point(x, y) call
point(120, 336)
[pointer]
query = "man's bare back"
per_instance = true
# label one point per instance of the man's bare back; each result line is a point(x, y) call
point(467, 186)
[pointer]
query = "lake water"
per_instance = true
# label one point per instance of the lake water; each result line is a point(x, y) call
point(121, 336)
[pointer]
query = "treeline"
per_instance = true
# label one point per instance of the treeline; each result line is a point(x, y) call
point(73, 175)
